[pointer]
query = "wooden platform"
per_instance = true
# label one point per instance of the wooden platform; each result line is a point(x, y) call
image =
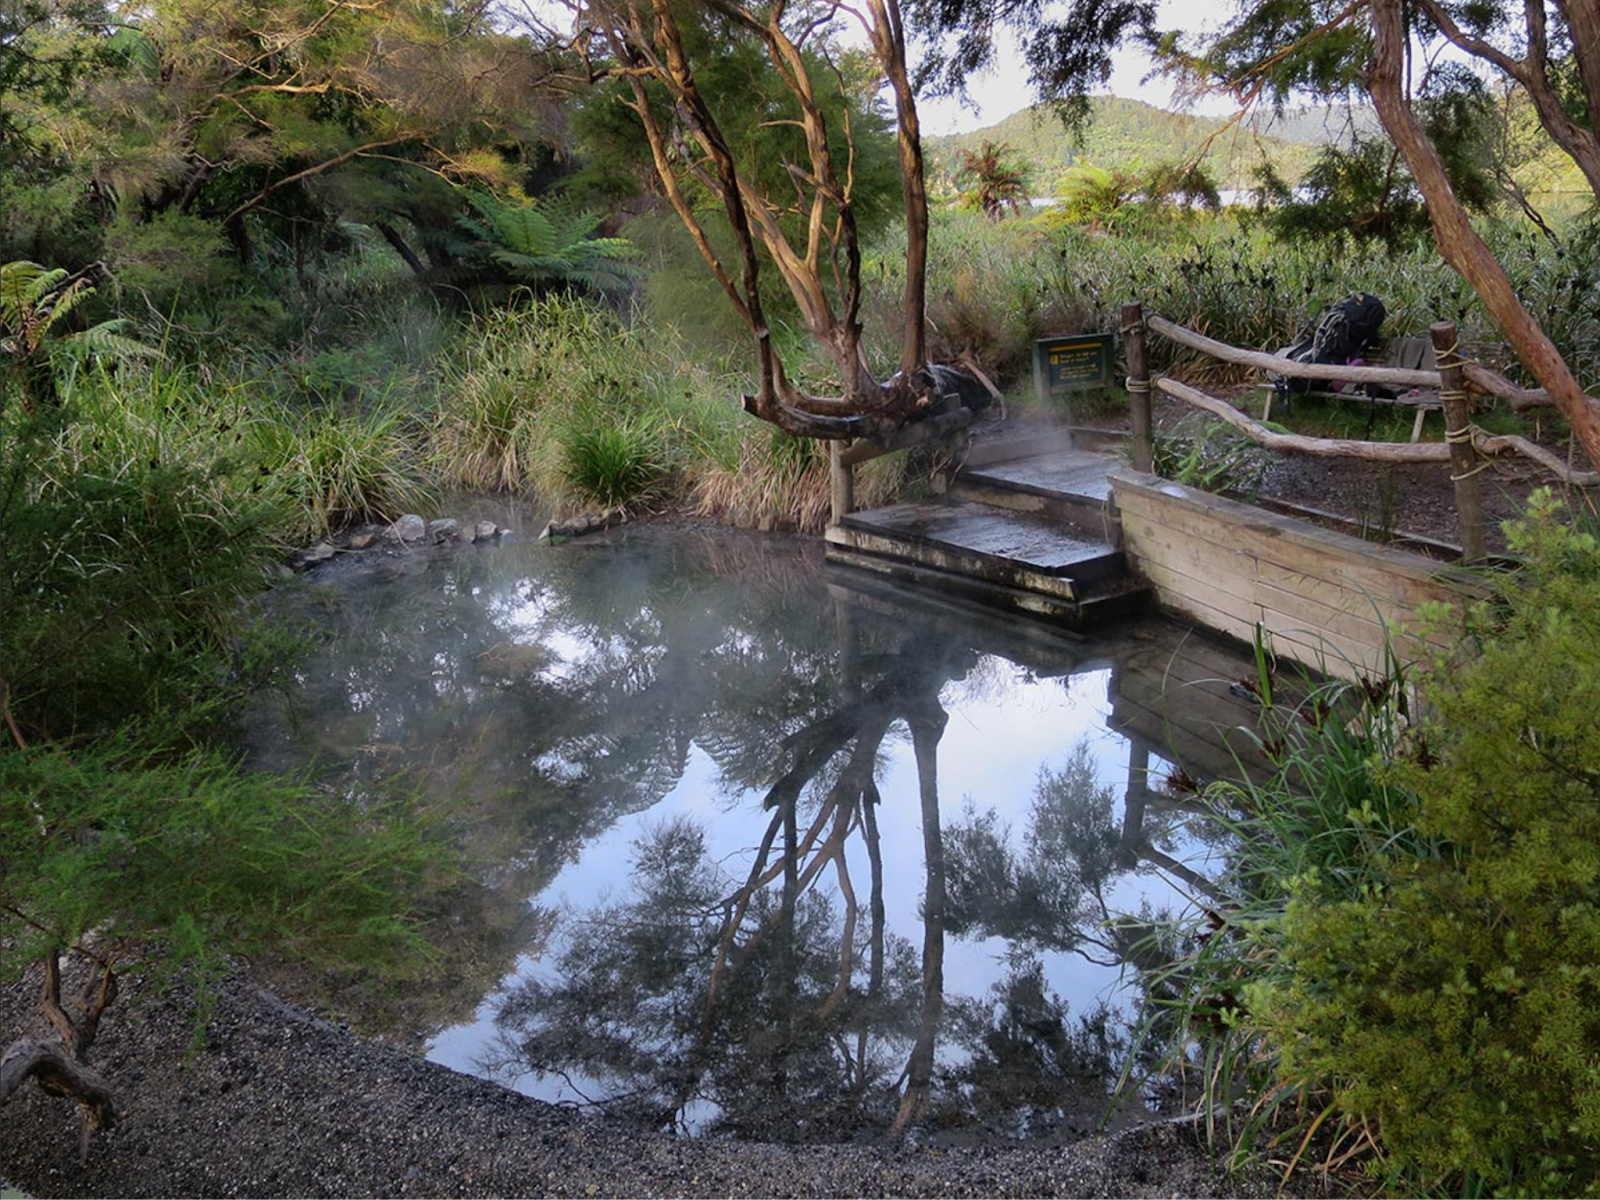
point(1068, 486)
point(1034, 535)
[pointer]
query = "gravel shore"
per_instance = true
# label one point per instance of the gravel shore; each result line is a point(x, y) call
point(280, 1103)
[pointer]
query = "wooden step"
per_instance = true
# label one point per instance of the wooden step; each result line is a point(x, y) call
point(1069, 486)
point(1016, 549)
point(1102, 601)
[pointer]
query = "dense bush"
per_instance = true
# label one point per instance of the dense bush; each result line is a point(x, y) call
point(125, 565)
point(185, 859)
point(1412, 941)
point(1456, 1004)
point(140, 511)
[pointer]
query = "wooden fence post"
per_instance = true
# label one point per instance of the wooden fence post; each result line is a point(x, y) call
point(1464, 461)
point(1138, 385)
point(842, 482)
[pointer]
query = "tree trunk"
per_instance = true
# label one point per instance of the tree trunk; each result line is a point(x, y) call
point(1460, 244)
point(398, 243)
point(1583, 22)
point(60, 1067)
point(1533, 72)
point(889, 41)
point(61, 1075)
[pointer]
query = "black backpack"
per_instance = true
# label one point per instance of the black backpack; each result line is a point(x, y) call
point(1341, 332)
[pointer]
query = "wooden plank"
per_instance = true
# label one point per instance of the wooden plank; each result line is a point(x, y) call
point(1217, 519)
point(964, 587)
point(953, 562)
point(1293, 638)
point(1428, 401)
point(1006, 538)
point(1074, 474)
point(1373, 598)
point(1253, 581)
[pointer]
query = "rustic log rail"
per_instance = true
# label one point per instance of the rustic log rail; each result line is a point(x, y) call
point(1464, 442)
point(1401, 452)
point(1270, 362)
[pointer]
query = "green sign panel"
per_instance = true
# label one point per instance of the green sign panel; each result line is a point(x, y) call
point(1070, 364)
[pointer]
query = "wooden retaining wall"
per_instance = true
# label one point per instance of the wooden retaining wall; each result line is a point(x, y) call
point(1325, 598)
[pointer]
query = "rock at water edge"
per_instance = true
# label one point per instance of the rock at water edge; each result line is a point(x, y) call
point(321, 552)
point(484, 531)
point(445, 529)
point(409, 528)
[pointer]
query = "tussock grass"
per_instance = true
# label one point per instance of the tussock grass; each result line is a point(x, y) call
point(585, 406)
point(339, 469)
point(782, 481)
point(615, 464)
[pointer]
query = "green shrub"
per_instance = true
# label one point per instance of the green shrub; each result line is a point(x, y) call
point(614, 464)
point(130, 544)
point(124, 844)
point(1406, 954)
point(1455, 1004)
point(522, 368)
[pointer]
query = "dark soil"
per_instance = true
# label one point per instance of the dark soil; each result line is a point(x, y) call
point(280, 1103)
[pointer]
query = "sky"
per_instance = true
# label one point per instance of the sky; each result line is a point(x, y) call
point(999, 93)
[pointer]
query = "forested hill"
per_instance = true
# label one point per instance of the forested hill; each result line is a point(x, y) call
point(1130, 135)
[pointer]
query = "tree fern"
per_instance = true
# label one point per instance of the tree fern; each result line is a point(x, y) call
point(543, 242)
point(35, 299)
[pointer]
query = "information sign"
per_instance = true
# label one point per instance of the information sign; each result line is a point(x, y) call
point(1070, 364)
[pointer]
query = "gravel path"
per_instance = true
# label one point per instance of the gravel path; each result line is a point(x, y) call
point(281, 1103)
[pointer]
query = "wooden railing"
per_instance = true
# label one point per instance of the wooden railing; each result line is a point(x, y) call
point(1466, 448)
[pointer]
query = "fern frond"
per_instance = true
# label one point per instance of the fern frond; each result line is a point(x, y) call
point(17, 295)
point(547, 241)
point(107, 340)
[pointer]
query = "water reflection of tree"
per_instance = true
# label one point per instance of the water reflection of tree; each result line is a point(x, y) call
point(628, 1005)
point(551, 693)
point(783, 1035)
point(798, 1016)
point(1031, 1068)
point(1052, 895)
point(564, 697)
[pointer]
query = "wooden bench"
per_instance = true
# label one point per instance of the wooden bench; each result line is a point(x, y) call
point(1410, 353)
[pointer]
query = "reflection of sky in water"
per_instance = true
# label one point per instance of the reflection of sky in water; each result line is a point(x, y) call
point(1004, 725)
point(481, 656)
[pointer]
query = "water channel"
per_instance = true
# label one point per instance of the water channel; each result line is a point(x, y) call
point(762, 849)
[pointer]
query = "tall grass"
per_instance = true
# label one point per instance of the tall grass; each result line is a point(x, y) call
point(340, 468)
point(586, 406)
point(996, 286)
point(1321, 821)
point(139, 512)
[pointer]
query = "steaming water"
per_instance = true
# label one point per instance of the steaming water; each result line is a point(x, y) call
point(709, 865)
